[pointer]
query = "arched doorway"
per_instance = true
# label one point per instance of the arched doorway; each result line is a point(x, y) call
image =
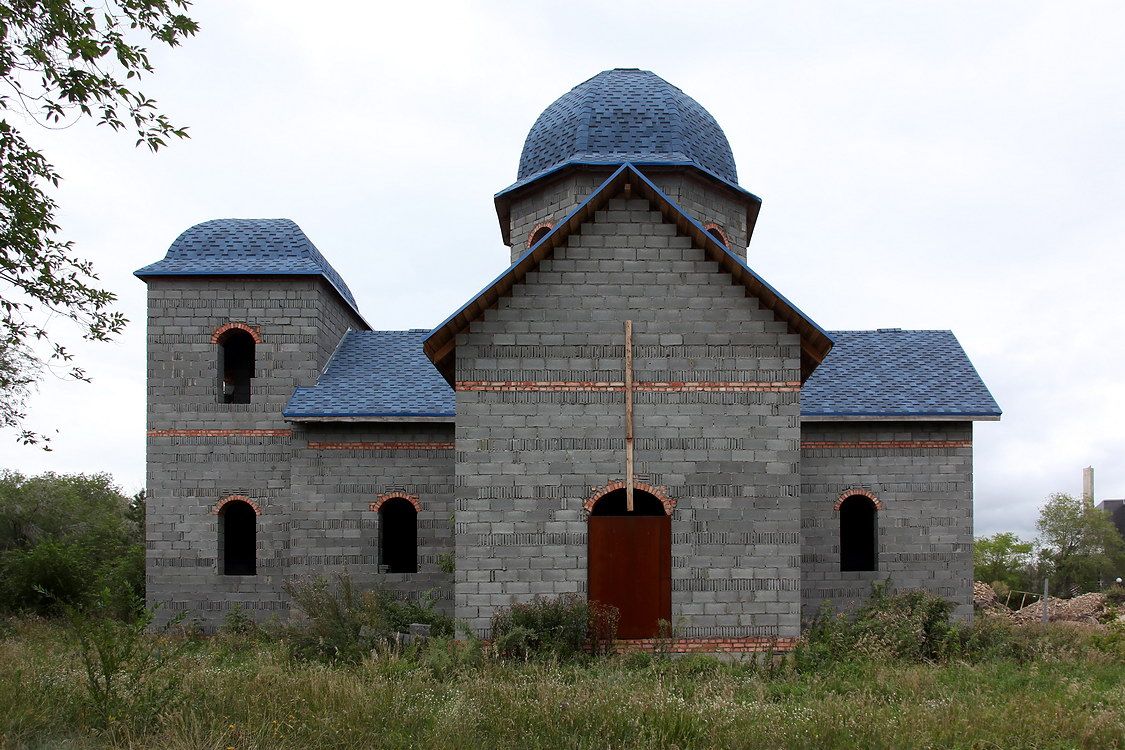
point(629, 561)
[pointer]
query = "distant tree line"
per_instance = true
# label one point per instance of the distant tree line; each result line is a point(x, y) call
point(69, 539)
point(1078, 549)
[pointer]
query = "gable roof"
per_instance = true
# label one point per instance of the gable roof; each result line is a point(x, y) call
point(892, 373)
point(375, 374)
point(247, 247)
point(815, 342)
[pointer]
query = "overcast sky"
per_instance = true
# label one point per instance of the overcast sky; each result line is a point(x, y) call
point(922, 165)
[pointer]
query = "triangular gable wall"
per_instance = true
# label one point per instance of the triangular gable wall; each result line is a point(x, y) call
point(627, 180)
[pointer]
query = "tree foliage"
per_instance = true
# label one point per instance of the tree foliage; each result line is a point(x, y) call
point(63, 538)
point(1080, 542)
point(1004, 558)
point(61, 62)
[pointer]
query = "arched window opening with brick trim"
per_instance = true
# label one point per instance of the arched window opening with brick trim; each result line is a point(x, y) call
point(537, 234)
point(614, 504)
point(717, 232)
point(236, 366)
point(398, 535)
point(238, 539)
point(859, 534)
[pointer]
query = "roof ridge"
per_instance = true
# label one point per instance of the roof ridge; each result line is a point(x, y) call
point(891, 330)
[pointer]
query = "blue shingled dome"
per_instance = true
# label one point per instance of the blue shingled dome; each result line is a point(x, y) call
point(626, 115)
point(247, 247)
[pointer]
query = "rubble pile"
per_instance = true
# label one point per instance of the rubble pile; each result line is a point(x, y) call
point(985, 601)
point(1087, 608)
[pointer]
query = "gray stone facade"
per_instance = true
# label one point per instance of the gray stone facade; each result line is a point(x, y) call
point(755, 537)
point(528, 460)
point(545, 204)
point(200, 451)
point(922, 474)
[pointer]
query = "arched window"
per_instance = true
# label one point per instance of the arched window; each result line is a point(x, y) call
point(238, 538)
point(398, 535)
point(236, 366)
point(859, 534)
point(537, 234)
point(717, 232)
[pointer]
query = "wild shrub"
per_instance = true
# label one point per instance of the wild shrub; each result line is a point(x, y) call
point(43, 577)
point(131, 675)
point(547, 626)
point(1115, 595)
point(344, 624)
point(911, 626)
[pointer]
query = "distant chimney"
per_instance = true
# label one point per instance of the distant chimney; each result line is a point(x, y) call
point(1088, 485)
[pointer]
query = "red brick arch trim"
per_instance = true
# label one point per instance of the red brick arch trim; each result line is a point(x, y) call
point(412, 499)
point(858, 491)
point(236, 498)
point(548, 225)
point(254, 331)
point(709, 226)
point(661, 494)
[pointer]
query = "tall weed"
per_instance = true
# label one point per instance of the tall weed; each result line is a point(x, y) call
point(131, 675)
point(344, 624)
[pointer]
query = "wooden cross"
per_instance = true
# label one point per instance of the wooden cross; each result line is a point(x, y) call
point(629, 416)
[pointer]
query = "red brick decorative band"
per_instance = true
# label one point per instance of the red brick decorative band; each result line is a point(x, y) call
point(254, 331)
point(699, 386)
point(660, 493)
point(220, 433)
point(750, 645)
point(789, 386)
point(883, 444)
point(412, 499)
point(542, 385)
point(861, 492)
point(236, 499)
point(324, 445)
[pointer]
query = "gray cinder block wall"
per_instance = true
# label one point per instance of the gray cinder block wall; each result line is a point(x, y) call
point(547, 202)
point(339, 470)
point(526, 460)
point(200, 450)
point(922, 473)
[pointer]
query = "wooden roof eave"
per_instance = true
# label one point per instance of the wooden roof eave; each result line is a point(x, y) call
point(440, 346)
point(815, 343)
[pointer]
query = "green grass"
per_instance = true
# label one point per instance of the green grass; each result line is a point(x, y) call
point(254, 698)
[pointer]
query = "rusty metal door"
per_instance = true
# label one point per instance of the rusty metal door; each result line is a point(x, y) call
point(630, 567)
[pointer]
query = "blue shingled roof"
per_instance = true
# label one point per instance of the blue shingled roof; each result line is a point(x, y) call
point(247, 247)
point(376, 374)
point(888, 373)
point(625, 115)
point(893, 373)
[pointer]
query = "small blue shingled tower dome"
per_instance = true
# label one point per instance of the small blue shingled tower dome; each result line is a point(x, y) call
point(626, 115)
